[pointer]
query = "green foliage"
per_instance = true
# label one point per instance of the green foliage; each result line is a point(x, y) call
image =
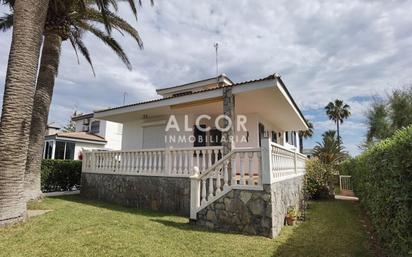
point(318, 178)
point(330, 150)
point(60, 175)
point(382, 179)
point(385, 116)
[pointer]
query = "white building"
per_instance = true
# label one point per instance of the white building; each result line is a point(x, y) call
point(89, 134)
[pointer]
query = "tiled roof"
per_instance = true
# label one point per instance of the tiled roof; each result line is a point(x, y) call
point(273, 76)
point(80, 135)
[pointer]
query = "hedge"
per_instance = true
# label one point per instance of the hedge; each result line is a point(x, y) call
point(382, 179)
point(60, 175)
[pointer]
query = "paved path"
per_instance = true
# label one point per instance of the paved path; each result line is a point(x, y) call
point(75, 192)
point(348, 198)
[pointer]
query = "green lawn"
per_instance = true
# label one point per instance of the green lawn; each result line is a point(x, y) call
point(84, 228)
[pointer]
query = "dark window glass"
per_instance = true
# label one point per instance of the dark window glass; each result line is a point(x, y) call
point(215, 137)
point(200, 136)
point(59, 153)
point(95, 127)
point(69, 151)
point(287, 137)
point(261, 129)
point(274, 137)
point(48, 150)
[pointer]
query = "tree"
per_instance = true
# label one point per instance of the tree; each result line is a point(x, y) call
point(305, 134)
point(337, 111)
point(70, 126)
point(379, 126)
point(28, 23)
point(66, 20)
point(330, 151)
point(385, 116)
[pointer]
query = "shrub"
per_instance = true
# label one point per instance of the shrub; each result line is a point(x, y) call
point(382, 179)
point(60, 175)
point(318, 179)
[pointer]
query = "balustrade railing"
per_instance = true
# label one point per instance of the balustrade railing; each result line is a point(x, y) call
point(241, 168)
point(285, 162)
point(165, 162)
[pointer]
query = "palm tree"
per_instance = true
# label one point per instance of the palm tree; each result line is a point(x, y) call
point(28, 23)
point(66, 20)
point(330, 150)
point(337, 111)
point(305, 134)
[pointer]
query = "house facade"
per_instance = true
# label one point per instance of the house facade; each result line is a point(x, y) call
point(225, 154)
point(89, 134)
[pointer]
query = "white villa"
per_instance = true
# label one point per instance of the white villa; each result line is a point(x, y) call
point(180, 154)
point(90, 133)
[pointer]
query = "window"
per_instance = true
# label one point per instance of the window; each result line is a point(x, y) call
point(69, 155)
point(287, 137)
point(215, 137)
point(200, 136)
point(274, 136)
point(64, 150)
point(59, 152)
point(95, 127)
point(48, 151)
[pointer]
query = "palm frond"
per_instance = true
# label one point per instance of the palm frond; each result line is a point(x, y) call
point(109, 41)
point(77, 43)
point(116, 21)
point(6, 22)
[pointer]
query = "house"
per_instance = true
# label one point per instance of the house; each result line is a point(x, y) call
point(89, 134)
point(225, 154)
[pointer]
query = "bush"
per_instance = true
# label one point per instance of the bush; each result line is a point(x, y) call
point(318, 179)
point(60, 175)
point(382, 179)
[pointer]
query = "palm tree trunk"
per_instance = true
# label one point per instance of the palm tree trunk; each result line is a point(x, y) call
point(337, 130)
point(28, 23)
point(42, 99)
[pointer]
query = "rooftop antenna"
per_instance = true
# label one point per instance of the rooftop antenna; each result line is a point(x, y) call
point(124, 98)
point(216, 45)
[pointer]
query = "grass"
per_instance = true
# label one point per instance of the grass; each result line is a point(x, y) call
point(78, 227)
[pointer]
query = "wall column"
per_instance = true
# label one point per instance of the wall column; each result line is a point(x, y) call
point(229, 111)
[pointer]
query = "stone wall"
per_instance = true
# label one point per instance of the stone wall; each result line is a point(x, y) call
point(244, 211)
point(287, 193)
point(253, 212)
point(166, 194)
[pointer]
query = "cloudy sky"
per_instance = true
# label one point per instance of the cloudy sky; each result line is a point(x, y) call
point(323, 50)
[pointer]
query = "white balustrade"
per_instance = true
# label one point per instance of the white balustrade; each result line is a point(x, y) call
point(239, 169)
point(161, 162)
point(285, 162)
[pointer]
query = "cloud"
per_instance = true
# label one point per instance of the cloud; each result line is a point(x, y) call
point(324, 50)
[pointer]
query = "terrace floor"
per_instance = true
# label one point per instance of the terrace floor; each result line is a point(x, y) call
point(78, 227)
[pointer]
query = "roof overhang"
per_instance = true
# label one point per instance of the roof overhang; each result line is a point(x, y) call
point(72, 139)
point(272, 86)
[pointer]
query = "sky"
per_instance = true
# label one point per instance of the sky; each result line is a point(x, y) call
point(352, 50)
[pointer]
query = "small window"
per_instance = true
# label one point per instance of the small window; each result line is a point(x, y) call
point(215, 137)
point(95, 127)
point(200, 136)
point(274, 136)
point(59, 152)
point(48, 151)
point(69, 154)
point(287, 137)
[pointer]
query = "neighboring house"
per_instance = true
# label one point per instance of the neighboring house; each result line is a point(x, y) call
point(90, 134)
point(52, 128)
point(242, 178)
point(308, 152)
